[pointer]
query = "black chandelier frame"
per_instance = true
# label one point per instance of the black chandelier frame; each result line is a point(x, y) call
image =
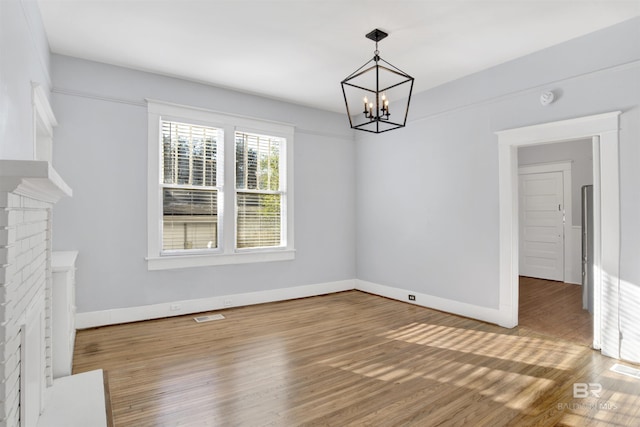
point(381, 112)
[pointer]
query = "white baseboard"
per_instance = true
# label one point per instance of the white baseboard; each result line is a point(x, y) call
point(177, 308)
point(114, 316)
point(491, 315)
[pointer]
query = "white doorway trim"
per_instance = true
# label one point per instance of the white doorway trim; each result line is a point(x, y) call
point(565, 169)
point(603, 128)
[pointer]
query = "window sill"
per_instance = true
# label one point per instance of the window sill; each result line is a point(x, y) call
point(185, 261)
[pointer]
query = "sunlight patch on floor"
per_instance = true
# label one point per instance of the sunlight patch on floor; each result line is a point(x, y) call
point(529, 350)
point(500, 386)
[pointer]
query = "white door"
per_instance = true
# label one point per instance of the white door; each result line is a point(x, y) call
point(542, 225)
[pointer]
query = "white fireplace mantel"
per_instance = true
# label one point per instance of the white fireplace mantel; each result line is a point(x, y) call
point(36, 179)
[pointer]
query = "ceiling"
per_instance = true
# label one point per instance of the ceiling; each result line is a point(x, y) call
point(300, 50)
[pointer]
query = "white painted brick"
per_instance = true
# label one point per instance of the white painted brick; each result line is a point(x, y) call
point(22, 246)
point(14, 201)
point(32, 228)
point(20, 261)
point(4, 199)
point(9, 364)
point(32, 216)
point(7, 254)
point(40, 248)
point(5, 315)
point(37, 227)
point(37, 239)
point(8, 217)
point(18, 216)
point(7, 293)
point(25, 272)
point(29, 203)
point(10, 385)
point(13, 278)
point(6, 272)
point(13, 397)
point(21, 231)
point(15, 283)
point(7, 236)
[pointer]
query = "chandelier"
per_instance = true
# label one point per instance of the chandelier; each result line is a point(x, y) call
point(377, 95)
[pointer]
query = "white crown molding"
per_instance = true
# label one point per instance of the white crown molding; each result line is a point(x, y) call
point(35, 179)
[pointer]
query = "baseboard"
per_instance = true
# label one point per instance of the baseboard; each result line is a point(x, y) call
point(114, 316)
point(178, 308)
point(490, 315)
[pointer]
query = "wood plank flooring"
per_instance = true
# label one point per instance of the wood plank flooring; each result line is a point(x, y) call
point(555, 309)
point(349, 359)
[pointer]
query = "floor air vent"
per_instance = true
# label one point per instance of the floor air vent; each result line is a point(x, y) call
point(209, 318)
point(626, 370)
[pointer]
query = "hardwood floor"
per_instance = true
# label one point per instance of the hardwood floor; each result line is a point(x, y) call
point(555, 309)
point(349, 359)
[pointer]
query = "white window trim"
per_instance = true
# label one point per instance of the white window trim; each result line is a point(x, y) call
point(226, 253)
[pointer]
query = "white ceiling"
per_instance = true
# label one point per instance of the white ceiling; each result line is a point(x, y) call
point(300, 50)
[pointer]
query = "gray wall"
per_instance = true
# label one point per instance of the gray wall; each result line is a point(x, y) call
point(101, 151)
point(24, 58)
point(427, 195)
point(579, 153)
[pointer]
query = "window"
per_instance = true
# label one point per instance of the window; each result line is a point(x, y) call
point(258, 191)
point(189, 177)
point(219, 188)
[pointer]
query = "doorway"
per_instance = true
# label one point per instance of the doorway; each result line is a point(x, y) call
point(603, 128)
point(551, 177)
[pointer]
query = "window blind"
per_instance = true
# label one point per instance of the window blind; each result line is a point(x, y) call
point(189, 179)
point(259, 190)
point(189, 154)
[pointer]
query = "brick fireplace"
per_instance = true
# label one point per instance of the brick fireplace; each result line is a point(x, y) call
point(28, 191)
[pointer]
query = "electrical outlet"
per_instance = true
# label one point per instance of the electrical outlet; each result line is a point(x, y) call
point(174, 307)
point(412, 297)
point(227, 303)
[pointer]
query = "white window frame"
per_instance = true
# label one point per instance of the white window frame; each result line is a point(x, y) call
point(226, 253)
